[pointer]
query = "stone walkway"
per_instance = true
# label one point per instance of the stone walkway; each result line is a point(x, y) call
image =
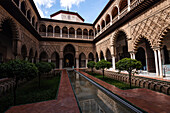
point(65, 103)
point(148, 100)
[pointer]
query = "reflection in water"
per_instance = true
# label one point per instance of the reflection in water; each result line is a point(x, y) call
point(92, 99)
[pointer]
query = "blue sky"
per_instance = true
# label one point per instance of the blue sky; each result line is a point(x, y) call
point(88, 9)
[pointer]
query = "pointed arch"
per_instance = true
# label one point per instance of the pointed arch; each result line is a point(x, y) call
point(82, 60)
point(55, 59)
point(90, 57)
point(71, 32)
point(101, 55)
point(43, 57)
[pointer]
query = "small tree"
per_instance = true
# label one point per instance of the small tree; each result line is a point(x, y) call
point(18, 70)
point(103, 64)
point(52, 65)
point(43, 67)
point(91, 65)
point(128, 64)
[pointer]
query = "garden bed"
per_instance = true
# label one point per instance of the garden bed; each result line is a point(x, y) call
point(31, 93)
point(120, 85)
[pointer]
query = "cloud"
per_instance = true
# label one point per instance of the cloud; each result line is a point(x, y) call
point(43, 4)
point(69, 3)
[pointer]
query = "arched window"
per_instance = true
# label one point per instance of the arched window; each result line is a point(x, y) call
point(57, 31)
point(85, 34)
point(29, 15)
point(103, 24)
point(101, 56)
point(122, 5)
point(23, 7)
point(114, 12)
point(43, 57)
point(79, 33)
point(91, 34)
point(90, 57)
point(33, 21)
point(107, 19)
point(50, 30)
point(31, 55)
point(65, 32)
point(98, 28)
point(24, 52)
point(71, 32)
point(42, 30)
point(55, 59)
point(82, 60)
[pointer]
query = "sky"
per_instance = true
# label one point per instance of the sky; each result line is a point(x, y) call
point(88, 9)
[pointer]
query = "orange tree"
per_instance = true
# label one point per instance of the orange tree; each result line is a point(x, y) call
point(91, 65)
point(18, 70)
point(103, 64)
point(128, 64)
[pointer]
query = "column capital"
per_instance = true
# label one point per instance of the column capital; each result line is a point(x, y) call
point(156, 48)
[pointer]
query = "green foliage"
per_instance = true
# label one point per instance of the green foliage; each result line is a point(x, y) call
point(52, 65)
point(19, 69)
point(2, 70)
point(30, 93)
point(119, 84)
point(44, 67)
point(103, 64)
point(91, 65)
point(128, 64)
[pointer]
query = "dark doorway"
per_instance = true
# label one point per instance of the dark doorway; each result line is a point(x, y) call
point(140, 56)
point(55, 59)
point(69, 56)
point(68, 60)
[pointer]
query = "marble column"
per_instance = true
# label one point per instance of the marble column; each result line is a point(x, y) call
point(128, 5)
point(160, 63)
point(61, 33)
point(75, 33)
point(113, 62)
point(77, 63)
point(61, 63)
point(49, 60)
point(156, 62)
point(86, 62)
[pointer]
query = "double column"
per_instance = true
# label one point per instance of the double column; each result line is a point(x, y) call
point(158, 62)
point(113, 57)
point(132, 55)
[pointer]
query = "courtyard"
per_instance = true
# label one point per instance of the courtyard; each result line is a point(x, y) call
point(116, 59)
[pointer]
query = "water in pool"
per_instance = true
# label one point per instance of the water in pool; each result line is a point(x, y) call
point(91, 99)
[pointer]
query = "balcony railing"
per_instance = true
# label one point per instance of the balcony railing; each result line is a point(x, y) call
point(71, 35)
point(79, 36)
point(56, 34)
point(85, 36)
point(65, 35)
point(122, 14)
point(49, 34)
point(43, 33)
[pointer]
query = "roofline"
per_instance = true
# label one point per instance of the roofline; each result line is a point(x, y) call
point(103, 11)
point(35, 8)
point(63, 21)
point(67, 12)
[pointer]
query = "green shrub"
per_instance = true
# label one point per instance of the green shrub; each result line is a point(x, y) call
point(103, 64)
point(18, 70)
point(43, 67)
point(128, 64)
point(91, 65)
